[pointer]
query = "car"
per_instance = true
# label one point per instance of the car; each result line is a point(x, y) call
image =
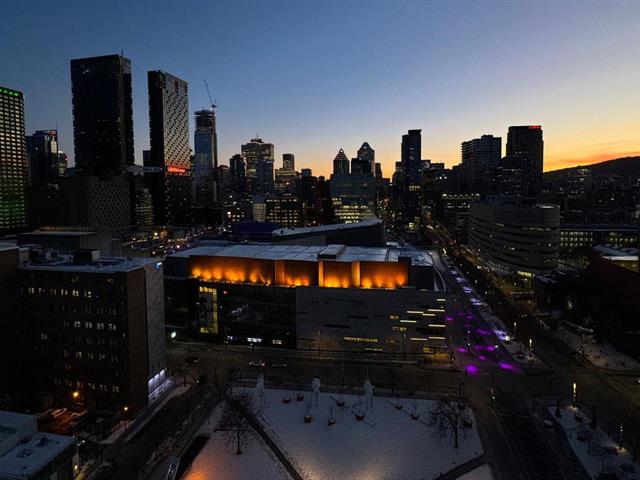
point(278, 364)
point(459, 279)
point(192, 360)
point(257, 363)
point(467, 289)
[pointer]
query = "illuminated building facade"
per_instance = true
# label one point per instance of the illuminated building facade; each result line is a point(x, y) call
point(171, 187)
point(269, 294)
point(286, 211)
point(353, 196)
point(259, 157)
point(94, 328)
point(13, 162)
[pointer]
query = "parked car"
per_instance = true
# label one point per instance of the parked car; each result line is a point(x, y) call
point(278, 364)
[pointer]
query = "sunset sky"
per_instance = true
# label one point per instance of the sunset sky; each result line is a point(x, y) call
point(312, 77)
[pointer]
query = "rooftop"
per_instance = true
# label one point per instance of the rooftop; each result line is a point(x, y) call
point(370, 222)
point(30, 450)
point(338, 253)
point(102, 265)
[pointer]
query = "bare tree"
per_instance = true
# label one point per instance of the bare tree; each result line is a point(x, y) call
point(598, 448)
point(235, 423)
point(449, 417)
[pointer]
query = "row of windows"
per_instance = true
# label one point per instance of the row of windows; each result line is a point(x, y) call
point(101, 387)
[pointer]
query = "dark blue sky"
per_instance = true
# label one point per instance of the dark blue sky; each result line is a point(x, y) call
point(312, 77)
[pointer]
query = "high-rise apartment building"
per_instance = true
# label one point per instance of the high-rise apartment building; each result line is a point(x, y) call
point(169, 131)
point(259, 157)
point(525, 145)
point(102, 114)
point(480, 159)
point(13, 162)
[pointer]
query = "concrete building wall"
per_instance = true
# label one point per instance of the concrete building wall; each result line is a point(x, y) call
point(370, 319)
point(154, 289)
point(520, 239)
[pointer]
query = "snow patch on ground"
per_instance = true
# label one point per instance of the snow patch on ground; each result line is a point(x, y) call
point(387, 444)
point(481, 473)
point(615, 460)
point(605, 355)
point(218, 460)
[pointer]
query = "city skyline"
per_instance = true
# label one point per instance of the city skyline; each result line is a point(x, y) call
point(323, 91)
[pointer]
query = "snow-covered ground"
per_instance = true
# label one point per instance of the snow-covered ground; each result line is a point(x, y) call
point(615, 460)
point(481, 473)
point(387, 444)
point(218, 460)
point(605, 356)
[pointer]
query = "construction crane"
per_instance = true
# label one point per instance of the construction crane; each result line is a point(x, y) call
point(213, 104)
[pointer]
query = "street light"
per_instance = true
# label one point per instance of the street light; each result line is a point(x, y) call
point(575, 394)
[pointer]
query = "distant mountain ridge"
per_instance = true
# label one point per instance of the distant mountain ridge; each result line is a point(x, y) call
point(625, 167)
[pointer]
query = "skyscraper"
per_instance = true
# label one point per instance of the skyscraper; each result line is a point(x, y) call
point(237, 169)
point(169, 133)
point(13, 162)
point(365, 162)
point(411, 159)
point(286, 176)
point(205, 165)
point(411, 156)
point(288, 161)
point(43, 155)
point(525, 145)
point(480, 158)
point(341, 162)
point(102, 114)
point(259, 157)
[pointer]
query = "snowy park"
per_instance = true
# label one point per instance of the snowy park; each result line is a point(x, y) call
point(329, 435)
point(351, 436)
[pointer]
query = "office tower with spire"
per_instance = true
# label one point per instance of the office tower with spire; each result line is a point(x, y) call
point(171, 187)
point(365, 161)
point(341, 162)
point(259, 157)
point(13, 162)
point(102, 114)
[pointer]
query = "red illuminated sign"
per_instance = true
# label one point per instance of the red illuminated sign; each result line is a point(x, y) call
point(535, 127)
point(176, 170)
